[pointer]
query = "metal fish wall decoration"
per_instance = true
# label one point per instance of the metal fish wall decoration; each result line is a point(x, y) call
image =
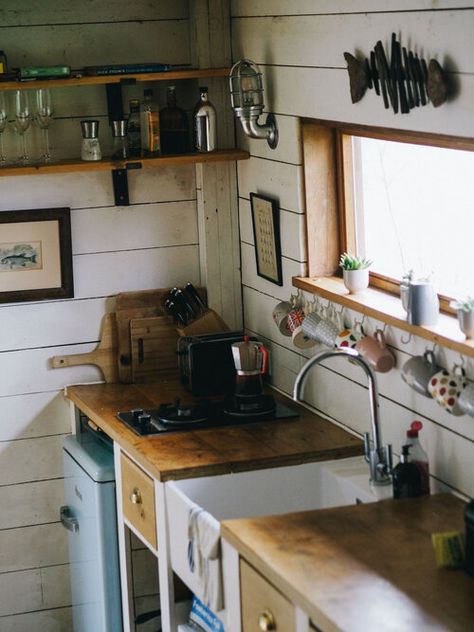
point(404, 82)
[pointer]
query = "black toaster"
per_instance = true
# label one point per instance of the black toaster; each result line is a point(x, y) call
point(206, 364)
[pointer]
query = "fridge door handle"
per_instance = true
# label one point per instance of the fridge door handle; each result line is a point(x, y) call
point(68, 521)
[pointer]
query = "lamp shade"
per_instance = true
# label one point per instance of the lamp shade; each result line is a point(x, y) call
point(246, 89)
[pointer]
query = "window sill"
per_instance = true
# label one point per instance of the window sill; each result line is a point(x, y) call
point(388, 309)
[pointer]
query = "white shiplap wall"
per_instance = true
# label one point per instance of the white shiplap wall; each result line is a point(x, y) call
point(152, 243)
point(299, 46)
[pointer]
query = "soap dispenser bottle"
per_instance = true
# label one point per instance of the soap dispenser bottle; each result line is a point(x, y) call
point(418, 455)
point(406, 477)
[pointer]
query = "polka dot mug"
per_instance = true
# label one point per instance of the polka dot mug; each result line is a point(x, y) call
point(446, 387)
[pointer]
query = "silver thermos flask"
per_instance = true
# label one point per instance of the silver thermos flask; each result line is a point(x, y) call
point(205, 132)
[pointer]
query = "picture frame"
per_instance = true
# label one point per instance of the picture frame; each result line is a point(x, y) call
point(266, 231)
point(35, 255)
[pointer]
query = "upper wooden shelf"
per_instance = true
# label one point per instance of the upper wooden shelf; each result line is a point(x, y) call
point(388, 309)
point(69, 166)
point(75, 80)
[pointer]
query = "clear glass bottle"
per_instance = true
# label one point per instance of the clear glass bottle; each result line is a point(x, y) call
point(134, 131)
point(150, 125)
point(205, 123)
point(174, 128)
point(120, 140)
point(90, 149)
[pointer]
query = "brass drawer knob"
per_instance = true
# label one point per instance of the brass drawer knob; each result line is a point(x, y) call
point(266, 621)
point(136, 497)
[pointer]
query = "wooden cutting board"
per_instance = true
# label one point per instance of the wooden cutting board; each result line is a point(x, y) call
point(153, 349)
point(104, 355)
point(129, 306)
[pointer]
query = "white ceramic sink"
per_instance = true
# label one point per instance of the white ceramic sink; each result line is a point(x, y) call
point(264, 492)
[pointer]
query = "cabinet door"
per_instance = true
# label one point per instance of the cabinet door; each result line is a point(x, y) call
point(138, 500)
point(264, 608)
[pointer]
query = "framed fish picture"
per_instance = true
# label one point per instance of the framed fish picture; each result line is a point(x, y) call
point(35, 255)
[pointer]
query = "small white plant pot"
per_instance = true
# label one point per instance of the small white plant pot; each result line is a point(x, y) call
point(466, 322)
point(356, 280)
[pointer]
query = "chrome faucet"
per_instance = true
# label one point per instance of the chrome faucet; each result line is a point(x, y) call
point(377, 456)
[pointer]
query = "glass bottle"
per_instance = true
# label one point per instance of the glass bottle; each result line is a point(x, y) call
point(134, 131)
point(90, 149)
point(205, 129)
point(150, 124)
point(119, 133)
point(173, 126)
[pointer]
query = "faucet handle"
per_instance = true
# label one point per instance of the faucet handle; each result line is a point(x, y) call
point(389, 457)
point(367, 446)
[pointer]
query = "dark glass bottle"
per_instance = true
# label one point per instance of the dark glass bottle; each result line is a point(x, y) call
point(406, 478)
point(174, 129)
point(469, 518)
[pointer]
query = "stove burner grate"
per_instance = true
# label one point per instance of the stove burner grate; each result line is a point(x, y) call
point(174, 418)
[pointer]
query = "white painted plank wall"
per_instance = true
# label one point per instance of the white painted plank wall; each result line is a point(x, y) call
point(300, 46)
point(150, 244)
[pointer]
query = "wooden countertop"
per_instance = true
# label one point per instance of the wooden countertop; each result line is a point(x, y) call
point(363, 568)
point(210, 451)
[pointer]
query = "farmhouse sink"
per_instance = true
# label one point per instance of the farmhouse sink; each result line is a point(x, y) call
point(264, 492)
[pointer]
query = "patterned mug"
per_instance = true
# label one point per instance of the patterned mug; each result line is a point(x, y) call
point(446, 387)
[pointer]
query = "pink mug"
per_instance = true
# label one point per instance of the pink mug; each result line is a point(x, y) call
point(376, 352)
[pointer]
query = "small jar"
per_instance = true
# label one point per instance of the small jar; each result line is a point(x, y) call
point(119, 132)
point(90, 149)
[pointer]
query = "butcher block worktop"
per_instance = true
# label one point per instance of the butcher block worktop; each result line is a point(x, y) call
point(363, 568)
point(211, 451)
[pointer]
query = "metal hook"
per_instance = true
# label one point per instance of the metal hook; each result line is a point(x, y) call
point(384, 329)
point(405, 342)
point(462, 364)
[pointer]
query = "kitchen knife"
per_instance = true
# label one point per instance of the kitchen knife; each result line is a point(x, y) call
point(194, 296)
point(184, 306)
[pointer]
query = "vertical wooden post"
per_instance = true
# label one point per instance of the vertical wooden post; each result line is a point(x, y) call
point(217, 183)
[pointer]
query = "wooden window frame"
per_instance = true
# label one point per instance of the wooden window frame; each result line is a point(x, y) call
point(329, 191)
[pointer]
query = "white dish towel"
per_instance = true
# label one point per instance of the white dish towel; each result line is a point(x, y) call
point(204, 555)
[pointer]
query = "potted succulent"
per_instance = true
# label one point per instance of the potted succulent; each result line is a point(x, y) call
point(355, 272)
point(465, 312)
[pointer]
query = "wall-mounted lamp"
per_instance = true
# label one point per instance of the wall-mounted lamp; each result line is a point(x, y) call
point(246, 93)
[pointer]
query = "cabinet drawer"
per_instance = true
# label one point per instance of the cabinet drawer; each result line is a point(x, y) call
point(263, 606)
point(138, 499)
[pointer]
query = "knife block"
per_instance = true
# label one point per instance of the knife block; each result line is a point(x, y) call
point(208, 323)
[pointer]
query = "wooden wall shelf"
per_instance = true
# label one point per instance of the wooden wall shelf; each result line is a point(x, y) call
point(168, 75)
point(388, 309)
point(68, 166)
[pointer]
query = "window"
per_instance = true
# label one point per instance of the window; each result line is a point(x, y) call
point(411, 208)
point(403, 199)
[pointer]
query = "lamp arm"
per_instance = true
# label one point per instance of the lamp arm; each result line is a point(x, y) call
point(253, 129)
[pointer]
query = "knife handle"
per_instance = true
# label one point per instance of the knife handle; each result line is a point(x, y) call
point(194, 295)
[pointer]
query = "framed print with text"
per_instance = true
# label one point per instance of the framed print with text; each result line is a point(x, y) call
point(266, 230)
point(35, 255)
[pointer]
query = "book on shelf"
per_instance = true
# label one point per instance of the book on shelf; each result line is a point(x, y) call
point(130, 69)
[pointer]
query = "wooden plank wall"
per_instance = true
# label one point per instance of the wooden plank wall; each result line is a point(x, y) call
point(152, 243)
point(299, 47)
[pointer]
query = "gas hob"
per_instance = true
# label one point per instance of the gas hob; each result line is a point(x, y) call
point(206, 414)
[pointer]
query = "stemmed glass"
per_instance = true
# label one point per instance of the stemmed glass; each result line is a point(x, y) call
point(3, 124)
point(22, 116)
point(44, 112)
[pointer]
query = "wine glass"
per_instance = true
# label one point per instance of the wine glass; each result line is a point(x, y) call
point(22, 116)
point(44, 112)
point(3, 124)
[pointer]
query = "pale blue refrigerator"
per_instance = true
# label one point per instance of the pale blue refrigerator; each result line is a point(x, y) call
point(89, 515)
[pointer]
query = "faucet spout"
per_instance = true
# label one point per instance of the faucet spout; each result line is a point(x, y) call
point(378, 456)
